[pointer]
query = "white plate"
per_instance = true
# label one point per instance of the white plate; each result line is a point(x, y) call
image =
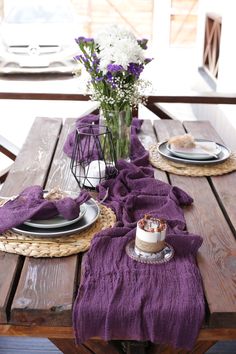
point(90, 216)
point(57, 221)
point(223, 155)
point(196, 155)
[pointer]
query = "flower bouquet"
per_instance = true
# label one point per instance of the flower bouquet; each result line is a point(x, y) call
point(114, 61)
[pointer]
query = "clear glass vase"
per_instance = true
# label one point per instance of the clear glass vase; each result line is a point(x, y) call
point(119, 123)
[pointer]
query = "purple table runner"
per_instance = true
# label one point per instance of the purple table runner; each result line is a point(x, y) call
point(120, 298)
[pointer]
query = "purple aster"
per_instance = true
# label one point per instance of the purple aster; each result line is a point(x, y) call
point(78, 57)
point(114, 68)
point(143, 43)
point(148, 60)
point(79, 40)
point(135, 69)
point(84, 41)
point(88, 40)
point(109, 76)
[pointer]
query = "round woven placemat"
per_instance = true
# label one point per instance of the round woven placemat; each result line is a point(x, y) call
point(183, 169)
point(31, 246)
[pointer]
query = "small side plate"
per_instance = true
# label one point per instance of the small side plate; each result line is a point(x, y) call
point(223, 155)
point(196, 155)
point(90, 216)
point(57, 221)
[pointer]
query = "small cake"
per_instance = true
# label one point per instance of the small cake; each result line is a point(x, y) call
point(150, 236)
point(185, 141)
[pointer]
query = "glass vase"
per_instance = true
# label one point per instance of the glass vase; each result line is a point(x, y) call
point(119, 123)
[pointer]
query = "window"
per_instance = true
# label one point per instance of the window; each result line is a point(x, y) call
point(212, 45)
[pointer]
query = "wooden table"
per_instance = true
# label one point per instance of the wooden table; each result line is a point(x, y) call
point(36, 295)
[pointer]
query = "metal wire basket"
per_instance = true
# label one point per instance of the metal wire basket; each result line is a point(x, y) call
point(93, 157)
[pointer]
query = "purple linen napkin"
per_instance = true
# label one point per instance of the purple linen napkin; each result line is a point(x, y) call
point(120, 298)
point(30, 204)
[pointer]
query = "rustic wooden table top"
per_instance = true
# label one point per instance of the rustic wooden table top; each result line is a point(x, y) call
point(37, 294)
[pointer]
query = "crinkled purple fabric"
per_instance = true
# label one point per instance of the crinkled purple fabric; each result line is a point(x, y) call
point(30, 204)
point(88, 149)
point(120, 298)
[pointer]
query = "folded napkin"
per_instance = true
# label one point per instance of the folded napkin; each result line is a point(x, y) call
point(31, 204)
point(201, 147)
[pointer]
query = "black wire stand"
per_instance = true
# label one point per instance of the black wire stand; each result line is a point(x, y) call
point(93, 156)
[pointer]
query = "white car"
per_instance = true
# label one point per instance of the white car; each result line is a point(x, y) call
point(39, 37)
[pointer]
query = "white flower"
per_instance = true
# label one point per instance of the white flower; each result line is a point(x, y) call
point(118, 46)
point(110, 34)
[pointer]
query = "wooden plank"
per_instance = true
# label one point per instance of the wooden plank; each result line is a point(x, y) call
point(8, 148)
point(47, 287)
point(35, 156)
point(44, 294)
point(10, 266)
point(168, 97)
point(205, 334)
point(204, 218)
point(38, 162)
point(60, 173)
point(147, 137)
point(225, 184)
point(217, 255)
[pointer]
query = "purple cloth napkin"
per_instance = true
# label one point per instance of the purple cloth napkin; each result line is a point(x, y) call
point(120, 298)
point(30, 204)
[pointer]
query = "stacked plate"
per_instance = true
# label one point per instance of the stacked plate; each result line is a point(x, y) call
point(205, 152)
point(58, 226)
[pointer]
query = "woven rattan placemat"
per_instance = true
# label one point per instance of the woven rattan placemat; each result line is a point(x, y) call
point(183, 169)
point(12, 242)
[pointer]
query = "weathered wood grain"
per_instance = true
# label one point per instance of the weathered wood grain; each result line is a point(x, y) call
point(212, 334)
point(35, 157)
point(224, 185)
point(10, 266)
point(47, 287)
point(147, 137)
point(60, 173)
point(222, 242)
point(45, 292)
point(206, 218)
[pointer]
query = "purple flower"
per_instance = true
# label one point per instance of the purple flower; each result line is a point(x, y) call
point(99, 78)
point(88, 40)
point(78, 57)
point(135, 69)
point(79, 40)
point(148, 60)
point(143, 43)
point(114, 68)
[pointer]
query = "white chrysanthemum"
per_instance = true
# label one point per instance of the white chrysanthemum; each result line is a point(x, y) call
point(110, 34)
point(122, 51)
